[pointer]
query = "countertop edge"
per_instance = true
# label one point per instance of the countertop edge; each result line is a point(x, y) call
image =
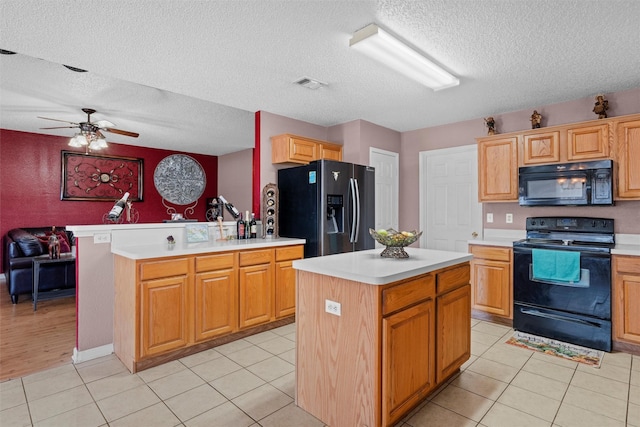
point(161, 251)
point(365, 277)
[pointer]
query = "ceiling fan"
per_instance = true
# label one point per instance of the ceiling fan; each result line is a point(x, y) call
point(90, 135)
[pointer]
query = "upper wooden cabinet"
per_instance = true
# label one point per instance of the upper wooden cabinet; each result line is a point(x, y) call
point(628, 158)
point(541, 148)
point(287, 148)
point(498, 169)
point(588, 142)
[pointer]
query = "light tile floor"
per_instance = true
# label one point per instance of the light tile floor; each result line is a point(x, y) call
point(250, 382)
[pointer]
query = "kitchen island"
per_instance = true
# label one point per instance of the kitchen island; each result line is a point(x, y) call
point(376, 335)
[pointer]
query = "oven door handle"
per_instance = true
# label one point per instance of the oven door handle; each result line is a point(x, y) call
point(557, 317)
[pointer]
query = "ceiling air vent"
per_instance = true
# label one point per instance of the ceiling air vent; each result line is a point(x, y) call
point(310, 83)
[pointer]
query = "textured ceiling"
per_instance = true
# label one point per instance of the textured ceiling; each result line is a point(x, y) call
point(188, 75)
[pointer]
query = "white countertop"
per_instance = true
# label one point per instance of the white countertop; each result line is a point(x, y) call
point(182, 248)
point(369, 267)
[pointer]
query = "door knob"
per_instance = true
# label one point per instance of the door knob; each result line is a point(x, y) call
point(474, 234)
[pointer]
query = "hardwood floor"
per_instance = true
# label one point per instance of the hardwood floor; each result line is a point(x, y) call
point(31, 341)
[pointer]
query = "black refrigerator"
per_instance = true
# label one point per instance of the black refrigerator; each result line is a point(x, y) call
point(330, 204)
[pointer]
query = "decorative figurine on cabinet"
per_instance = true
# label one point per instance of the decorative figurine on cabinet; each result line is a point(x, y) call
point(491, 125)
point(536, 119)
point(601, 107)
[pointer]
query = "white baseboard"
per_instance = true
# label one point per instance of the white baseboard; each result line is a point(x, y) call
point(92, 353)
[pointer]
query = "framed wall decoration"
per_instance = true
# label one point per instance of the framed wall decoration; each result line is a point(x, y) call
point(97, 177)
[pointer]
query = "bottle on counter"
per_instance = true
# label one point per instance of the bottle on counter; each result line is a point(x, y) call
point(247, 225)
point(232, 209)
point(240, 228)
point(118, 207)
point(253, 226)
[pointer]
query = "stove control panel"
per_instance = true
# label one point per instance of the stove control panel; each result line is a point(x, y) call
point(582, 224)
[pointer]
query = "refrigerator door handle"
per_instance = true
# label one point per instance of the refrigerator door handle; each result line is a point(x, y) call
point(357, 223)
point(352, 233)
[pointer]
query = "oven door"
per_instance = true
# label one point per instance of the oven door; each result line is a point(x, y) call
point(591, 296)
point(577, 313)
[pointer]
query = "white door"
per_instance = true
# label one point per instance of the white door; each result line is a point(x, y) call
point(449, 210)
point(387, 187)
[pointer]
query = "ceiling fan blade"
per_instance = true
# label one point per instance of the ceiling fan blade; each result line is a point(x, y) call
point(122, 132)
point(103, 124)
point(61, 127)
point(57, 120)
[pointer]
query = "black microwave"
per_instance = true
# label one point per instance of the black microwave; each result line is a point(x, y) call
point(566, 184)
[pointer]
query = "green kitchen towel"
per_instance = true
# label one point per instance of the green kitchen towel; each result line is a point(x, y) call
point(563, 266)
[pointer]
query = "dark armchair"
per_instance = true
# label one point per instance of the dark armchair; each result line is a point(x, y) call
point(21, 245)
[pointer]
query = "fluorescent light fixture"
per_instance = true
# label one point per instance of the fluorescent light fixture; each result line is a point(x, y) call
point(382, 46)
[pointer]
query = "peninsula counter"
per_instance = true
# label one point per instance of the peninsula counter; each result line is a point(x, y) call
point(376, 335)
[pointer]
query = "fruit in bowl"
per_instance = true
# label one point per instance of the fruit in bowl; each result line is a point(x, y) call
point(391, 237)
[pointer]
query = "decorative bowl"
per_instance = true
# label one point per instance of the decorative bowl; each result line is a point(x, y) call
point(395, 241)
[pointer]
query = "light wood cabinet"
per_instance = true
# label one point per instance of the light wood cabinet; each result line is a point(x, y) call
point(628, 159)
point(164, 295)
point(216, 296)
point(541, 148)
point(255, 285)
point(285, 280)
point(166, 307)
point(491, 280)
point(626, 294)
point(498, 169)
point(453, 336)
point(287, 148)
point(588, 142)
point(408, 357)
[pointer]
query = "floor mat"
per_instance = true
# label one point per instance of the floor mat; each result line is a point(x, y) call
point(556, 348)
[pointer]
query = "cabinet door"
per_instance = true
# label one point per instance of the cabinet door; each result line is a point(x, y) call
point(408, 359)
point(628, 156)
point(541, 148)
point(216, 301)
point(454, 331)
point(255, 294)
point(285, 303)
point(331, 152)
point(589, 142)
point(164, 314)
point(498, 170)
point(491, 291)
point(291, 149)
point(626, 294)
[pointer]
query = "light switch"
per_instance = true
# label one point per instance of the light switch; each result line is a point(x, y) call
point(489, 217)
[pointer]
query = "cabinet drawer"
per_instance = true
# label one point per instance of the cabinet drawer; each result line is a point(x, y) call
point(630, 264)
point(291, 252)
point(214, 262)
point(454, 278)
point(491, 252)
point(168, 268)
point(408, 293)
point(256, 257)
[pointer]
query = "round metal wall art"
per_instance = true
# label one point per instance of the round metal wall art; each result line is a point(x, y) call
point(179, 179)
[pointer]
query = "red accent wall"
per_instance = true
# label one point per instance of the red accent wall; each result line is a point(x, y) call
point(30, 178)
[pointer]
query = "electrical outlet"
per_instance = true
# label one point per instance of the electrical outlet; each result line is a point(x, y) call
point(509, 218)
point(489, 217)
point(101, 238)
point(332, 307)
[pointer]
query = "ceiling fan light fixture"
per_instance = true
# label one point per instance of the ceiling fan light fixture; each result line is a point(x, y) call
point(385, 48)
point(78, 140)
point(98, 144)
